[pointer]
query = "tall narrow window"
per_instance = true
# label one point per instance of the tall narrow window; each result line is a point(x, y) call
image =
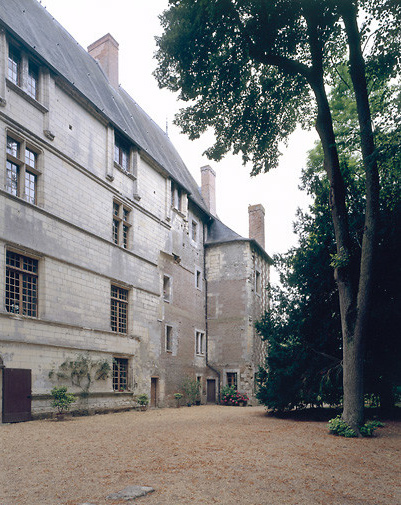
point(121, 225)
point(33, 79)
point(194, 231)
point(120, 374)
point(21, 170)
point(200, 342)
point(258, 283)
point(119, 309)
point(198, 279)
point(21, 284)
point(14, 65)
point(121, 153)
point(176, 196)
point(166, 288)
point(169, 338)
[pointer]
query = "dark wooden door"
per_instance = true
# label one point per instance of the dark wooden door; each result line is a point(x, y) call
point(211, 391)
point(154, 392)
point(17, 388)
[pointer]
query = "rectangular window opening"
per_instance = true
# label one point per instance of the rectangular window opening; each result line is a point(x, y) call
point(21, 284)
point(119, 309)
point(120, 374)
point(169, 338)
point(200, 343)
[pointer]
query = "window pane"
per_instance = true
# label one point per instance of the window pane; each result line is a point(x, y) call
point(30, 187)
point(12, 147)
point(12, 292)
point(30, 158)
point(12, 178)
point(125, 236)
point(33, 77)
point(14, 60)
point(115, 231)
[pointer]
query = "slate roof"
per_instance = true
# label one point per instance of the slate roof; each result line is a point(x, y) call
point(30, 23)
point(36, 28)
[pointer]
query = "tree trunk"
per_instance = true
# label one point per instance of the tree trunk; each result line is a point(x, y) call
point(353, 386)
point(352, 351)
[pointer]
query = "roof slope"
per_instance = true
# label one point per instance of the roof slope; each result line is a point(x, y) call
point(36, 28)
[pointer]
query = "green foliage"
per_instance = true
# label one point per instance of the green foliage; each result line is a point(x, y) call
point(191, 388)
point(143, 399)
point(230, 396)
point(81, 371)
point(302, 329)
point(62, 400)
point(340, 428)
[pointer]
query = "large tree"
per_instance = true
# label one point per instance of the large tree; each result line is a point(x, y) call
point(302, 328)
point(252, 70)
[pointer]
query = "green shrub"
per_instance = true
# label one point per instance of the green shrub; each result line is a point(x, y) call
point(339, 427)
point(61, 399)
point(369, 427)
point(143, 399)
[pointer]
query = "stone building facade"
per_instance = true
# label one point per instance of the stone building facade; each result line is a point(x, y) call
point(109, 252)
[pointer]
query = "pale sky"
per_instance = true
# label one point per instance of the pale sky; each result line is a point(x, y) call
point(134, 24)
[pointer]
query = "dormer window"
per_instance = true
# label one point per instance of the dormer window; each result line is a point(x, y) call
point(121, 153)
point(23, 75)
point(33, 80)
point(176, 196)
point(14, 65)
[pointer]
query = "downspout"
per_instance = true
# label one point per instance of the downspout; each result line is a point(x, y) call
point(206, 323)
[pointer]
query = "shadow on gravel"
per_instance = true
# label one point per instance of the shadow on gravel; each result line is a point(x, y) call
point(323, 414)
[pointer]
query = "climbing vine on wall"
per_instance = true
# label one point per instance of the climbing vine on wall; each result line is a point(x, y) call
point(81, 371)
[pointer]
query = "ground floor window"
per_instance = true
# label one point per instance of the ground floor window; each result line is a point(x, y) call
point(232, 379)
point(21, 284)
point(120, 374)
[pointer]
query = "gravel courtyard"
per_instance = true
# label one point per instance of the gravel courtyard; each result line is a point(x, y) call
point(199, 455)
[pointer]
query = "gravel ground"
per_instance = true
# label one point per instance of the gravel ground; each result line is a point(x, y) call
point(199, 455)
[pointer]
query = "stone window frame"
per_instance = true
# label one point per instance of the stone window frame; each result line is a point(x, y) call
point(195, 228)
point(121, 224)
point(25, 159)
point(119, 305)
point(167, 288)
point(125, 156)
point(198, 278)
point(231, 378)
point(200, 343)
point(177, 195)
point(168, 338)
point(120, 373)
point(22, 272)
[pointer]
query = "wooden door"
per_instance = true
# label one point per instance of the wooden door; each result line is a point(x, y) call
point(154, 392)
point(17, 386)
point(211, 390)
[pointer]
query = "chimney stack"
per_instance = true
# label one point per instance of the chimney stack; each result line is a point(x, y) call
point(208, 189)
point(105, 51)
point(257, 223)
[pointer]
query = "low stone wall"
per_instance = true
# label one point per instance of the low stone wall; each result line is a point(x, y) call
point(94, 403)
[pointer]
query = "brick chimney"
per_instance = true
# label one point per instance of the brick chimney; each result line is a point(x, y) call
point(105, 51)
point(208, 190)
point(257, 223)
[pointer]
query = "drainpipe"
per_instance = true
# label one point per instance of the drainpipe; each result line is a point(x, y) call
point(206, 323)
